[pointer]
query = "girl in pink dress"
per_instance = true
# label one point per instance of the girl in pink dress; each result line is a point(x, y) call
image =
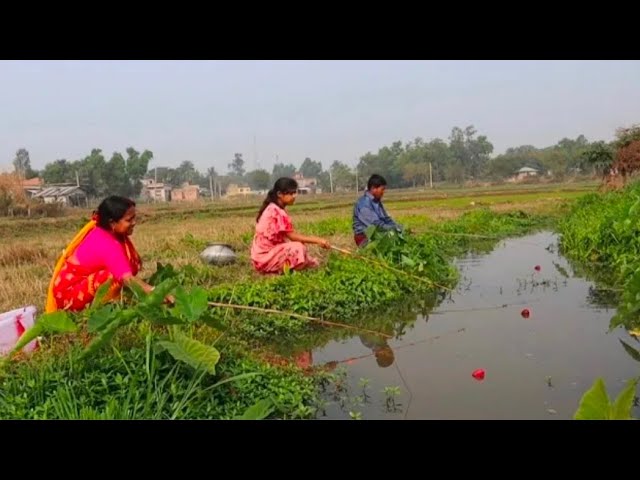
point(276, 246)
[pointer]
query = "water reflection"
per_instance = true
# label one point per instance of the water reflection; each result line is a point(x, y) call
point(537, 367)
point(381, 350)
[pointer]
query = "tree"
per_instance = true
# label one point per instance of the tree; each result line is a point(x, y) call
point(92, 173)
point(625, 136)
point(59, 171)
point(11, 192)
point(628, 159)
point(384, 163)
point(439, 155)
point(460, 155)
point(166, 175)
point(411, 172)
point(521, 151)
point(259, 179)
point(281, 170)
point(470, 154)
point(599, 157)
point(503, 166)
point(410, 160)
point(324, 181)
point(116, 176)
point(342, 176)
point(120, 176)
point(454, 173)
point(236, 167)
point(571, 151)
point(137, 166)
point(187, 172)
point(22, 164)
point(507, 164)
point(311, 169)
point(480, 149)
point(415, 160)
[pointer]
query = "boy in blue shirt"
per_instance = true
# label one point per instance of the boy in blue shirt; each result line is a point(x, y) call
point(369, 210)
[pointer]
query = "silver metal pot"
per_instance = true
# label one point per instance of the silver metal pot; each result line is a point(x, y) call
point(219, 254)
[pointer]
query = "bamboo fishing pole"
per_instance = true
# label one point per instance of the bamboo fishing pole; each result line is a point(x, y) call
point(475, 235)
point(404, 345)
point(295, 315)
point(478, 309)
point(386, 265)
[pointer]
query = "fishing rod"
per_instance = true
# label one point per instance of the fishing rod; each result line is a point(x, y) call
point(475, 235)
point(386, 265)
point(476, 309)
point(436, 337)
point(295, 315)
point(399, 347)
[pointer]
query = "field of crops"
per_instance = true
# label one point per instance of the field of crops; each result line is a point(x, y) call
point(140, 359)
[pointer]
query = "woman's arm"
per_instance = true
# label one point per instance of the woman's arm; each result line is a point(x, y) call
point(296, 237)
point(128, 278)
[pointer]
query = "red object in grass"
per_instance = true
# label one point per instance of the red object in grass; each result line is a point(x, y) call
point(478, 374)
point(537, 268)
point(525, 312)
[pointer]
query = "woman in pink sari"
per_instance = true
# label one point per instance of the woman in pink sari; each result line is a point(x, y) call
point(102, 251)
point(276, 246)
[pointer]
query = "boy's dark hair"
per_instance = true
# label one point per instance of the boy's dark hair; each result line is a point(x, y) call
point(376, 181)
point(112, 209)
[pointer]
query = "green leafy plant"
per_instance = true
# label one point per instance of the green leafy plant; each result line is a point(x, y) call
point(258, 411)
point(391, 393)
point(192, 352)
point(595, 403)
point(364, 383)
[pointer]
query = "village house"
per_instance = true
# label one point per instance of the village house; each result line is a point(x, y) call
point(155, 191)
point(67, 195)
point(186, 193)
point(234, 190)
point(306, 185)
point(32, 186)
point(526, 172)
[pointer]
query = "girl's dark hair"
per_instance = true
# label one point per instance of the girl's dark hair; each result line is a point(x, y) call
point(282, 185)
point(112, 209)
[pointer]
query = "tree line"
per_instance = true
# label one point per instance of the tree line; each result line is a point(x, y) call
point(463, 156)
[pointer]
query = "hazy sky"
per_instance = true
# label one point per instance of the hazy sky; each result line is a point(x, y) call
point(205, 111)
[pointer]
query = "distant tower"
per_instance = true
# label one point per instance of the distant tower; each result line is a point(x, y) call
point(256, 164)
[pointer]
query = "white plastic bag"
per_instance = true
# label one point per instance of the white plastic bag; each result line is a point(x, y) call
point(13, 324)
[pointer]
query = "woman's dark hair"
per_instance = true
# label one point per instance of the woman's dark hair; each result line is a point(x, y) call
point(282, 185)
point(112, 209)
